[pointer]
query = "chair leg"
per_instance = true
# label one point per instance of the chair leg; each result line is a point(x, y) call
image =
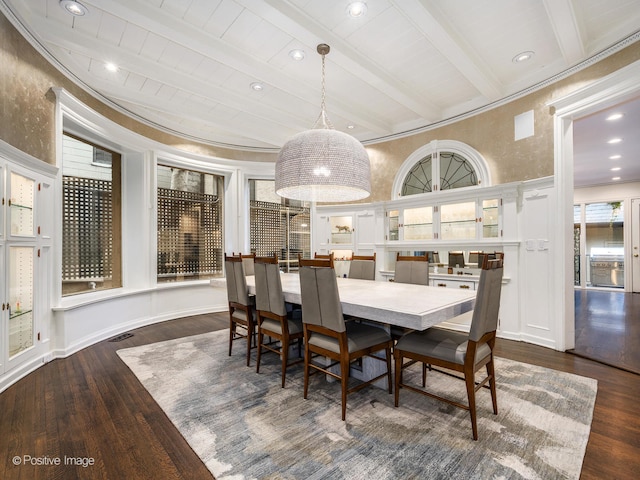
point(424, 375)
point(469, 380)
point(344, 380)
point(492, 385)
point(398, 374)
point(260, 341)
point(284, 353)
point(250, 334)
point(307, 354)
point(232, 331)
point(389, 381)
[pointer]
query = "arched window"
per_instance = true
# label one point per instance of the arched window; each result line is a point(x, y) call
point(452, 164)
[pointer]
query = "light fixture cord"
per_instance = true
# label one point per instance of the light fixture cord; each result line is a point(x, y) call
point(326, 123)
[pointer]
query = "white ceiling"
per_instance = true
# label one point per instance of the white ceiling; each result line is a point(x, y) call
point(187, 65)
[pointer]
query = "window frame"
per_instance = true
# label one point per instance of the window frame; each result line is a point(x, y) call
point(433, 148)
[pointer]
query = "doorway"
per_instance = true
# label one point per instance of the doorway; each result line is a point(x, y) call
point(635, 245)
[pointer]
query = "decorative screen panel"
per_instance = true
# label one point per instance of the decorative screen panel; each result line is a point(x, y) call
point(284, 230)
point(189, 235)
point(87, 225)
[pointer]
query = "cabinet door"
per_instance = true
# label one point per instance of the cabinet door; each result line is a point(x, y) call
point(20, 203)
point(21, 300)
point(341, 229)
point(3, 200)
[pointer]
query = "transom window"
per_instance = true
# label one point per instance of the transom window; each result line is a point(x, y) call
point(454, 172)
point(441, 165)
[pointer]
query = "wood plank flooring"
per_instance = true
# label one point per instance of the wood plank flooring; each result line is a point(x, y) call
point(91, 405)
point(608, 327)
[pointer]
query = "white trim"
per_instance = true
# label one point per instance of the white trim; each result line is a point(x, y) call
point(469, 153)
point(616, 87)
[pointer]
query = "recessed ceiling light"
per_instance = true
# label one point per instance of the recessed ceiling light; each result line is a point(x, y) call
point(615, 140)
point(257, 86)
point(112, 67)
point(615, 116)
point(523, 57)
point(615, 178)
point(615, 157)
point(357, 9)
point(297, 54)
point(615, 169)
point(351, 127)
point(74, 8)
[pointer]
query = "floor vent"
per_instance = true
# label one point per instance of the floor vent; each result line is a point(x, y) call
point(121, 337)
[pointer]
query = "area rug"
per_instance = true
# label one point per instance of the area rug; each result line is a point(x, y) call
point(243, 425)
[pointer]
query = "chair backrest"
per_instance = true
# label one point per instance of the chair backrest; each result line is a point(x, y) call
point(269, 296)
point(363, 267)
point(411, 258)
point(456, 259)
point(433, 257)
point(412, 269)
point(315, 262)
point(236, 282)
point(322, 256)
point(476, 257)
point(485, 312)
point(247, 262)
point(320, 298)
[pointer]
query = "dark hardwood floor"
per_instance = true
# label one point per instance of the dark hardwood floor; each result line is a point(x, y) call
point(91, 406)
point(608, 327)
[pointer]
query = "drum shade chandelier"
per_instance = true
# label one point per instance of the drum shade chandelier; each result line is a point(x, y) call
point(323, 164)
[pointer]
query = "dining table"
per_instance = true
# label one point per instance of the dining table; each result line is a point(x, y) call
point(417, 307)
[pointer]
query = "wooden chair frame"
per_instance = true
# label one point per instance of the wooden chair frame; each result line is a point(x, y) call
point(317, 261)
point(469, 368)
point(249, 324)
point(344, 359)
point(285, 338)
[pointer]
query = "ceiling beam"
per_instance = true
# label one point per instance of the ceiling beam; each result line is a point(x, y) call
point(566, 29)
point(423, 16)
point(296, 23)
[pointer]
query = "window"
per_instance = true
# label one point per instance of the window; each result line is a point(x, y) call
point(599, 244)
point(441, 165)
point(190, 219)
point(91, 236)
point(278, 225)
point(453, 170)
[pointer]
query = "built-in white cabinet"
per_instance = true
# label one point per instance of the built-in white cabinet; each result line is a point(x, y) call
point(345, 232)
point(470, 219)
point(25, 239)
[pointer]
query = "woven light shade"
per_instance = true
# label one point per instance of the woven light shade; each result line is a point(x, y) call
point(323, 164)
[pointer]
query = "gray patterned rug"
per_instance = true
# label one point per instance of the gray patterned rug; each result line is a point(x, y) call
point(244, 425)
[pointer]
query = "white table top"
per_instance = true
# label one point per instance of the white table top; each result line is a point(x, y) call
point(413, 306)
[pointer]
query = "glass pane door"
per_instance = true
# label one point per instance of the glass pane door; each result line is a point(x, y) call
point(490, 212)
point(418, 223)
point(21, 205)
point(458, 221)
point(20, 299)
point(604, 235)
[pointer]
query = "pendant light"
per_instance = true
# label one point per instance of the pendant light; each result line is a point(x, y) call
point(323, 164)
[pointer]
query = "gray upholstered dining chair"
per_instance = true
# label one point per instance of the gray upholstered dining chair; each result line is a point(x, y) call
point(458, 351)
point(247, 262)
point(363, 267)
point(275, 320)
point(326, 334)
point(241, 304)
point(412, 269)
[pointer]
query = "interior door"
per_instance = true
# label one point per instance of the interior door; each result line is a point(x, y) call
point(635, 245)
